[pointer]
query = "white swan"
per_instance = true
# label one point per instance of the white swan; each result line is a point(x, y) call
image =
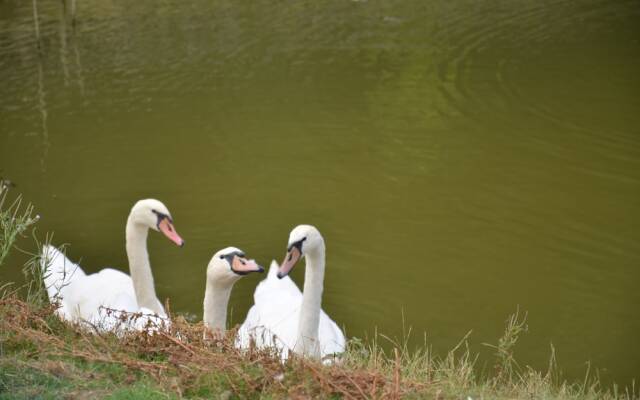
point(287, 319)
point(88, 298)
point(226, 267)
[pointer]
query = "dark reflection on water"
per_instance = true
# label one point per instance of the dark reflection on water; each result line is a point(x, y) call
point(461, 158)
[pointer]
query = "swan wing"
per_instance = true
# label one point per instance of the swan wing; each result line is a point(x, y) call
point(273, 286)
point(108, 288)
point(332, 340)
point(272, 320)
point(58, 271)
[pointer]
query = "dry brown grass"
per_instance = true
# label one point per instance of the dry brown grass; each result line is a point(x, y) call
point(181, 363)
point(181, 360)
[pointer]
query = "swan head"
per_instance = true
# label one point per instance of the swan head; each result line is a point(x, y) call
point(230, 264)
point(154, 215)
point(303, 240)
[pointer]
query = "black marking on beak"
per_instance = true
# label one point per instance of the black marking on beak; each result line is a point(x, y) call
point(161, 216)
point(297, 245)
point(230, 256)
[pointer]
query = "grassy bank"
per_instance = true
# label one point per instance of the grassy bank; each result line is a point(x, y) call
point(41, 357)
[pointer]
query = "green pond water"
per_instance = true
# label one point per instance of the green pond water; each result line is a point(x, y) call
point(461, 158)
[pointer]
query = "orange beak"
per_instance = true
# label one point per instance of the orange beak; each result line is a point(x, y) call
point(242, 266)
point(289, 262)
point(166, 227)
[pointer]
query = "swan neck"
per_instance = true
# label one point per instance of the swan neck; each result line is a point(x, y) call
point(139, 267)
point(216, 300)
point(307, 342)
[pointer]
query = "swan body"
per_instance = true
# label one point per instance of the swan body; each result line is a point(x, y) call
point(104, 299)
point(287, 319)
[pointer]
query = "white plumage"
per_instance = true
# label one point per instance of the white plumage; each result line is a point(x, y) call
point(103, 299)
point(273, 320)
point(285, 318)
point(96, 300)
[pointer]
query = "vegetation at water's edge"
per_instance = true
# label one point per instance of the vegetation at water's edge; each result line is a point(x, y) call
point(42, 357)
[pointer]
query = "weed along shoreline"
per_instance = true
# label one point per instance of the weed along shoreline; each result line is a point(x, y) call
point(43, 357)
